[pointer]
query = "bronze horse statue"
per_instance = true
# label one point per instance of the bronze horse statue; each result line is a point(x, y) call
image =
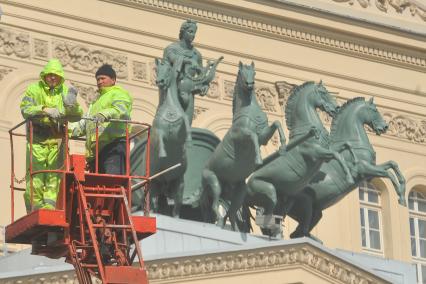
point(329, 184)
point(170, 131)
point(238, 154)
point(277, 181)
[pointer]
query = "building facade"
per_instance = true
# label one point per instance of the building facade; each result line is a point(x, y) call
point(358, 48)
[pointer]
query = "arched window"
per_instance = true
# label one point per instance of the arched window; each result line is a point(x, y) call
point(370, 215)
point(417, 207)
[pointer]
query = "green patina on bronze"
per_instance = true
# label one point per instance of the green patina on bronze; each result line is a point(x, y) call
point(284, 176)
point(238, 154)
point(171, 130)
point(194, 78)
point(329, 185)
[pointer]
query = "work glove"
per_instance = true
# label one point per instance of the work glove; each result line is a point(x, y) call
point(99, 118)
point(52, 112)
point(71, 97)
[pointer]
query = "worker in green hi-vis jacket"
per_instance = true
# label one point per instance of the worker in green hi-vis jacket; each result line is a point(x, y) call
point(47, 103)
point(113, 102)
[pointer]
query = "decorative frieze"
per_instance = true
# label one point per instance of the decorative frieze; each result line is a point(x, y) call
point(266, 98)
point(214, 91)
point(405, 127)
point(263, 26)
point(271, 258)
point(283, 89)
point(14, 43)
point(87, 92)
point(140, 71)
point(4, 71)
point(228, 89)
point(85, 58)
point(198, 110)
point(41, 48)
point(398, 6)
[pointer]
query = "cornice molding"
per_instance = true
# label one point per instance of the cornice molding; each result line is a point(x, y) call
point(260, 260)
point(286, 31)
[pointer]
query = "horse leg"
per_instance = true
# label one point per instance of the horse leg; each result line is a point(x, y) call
point(178, 186)
point(267, 133)
point(161, 148)
point(302, 211)
point(267, 190)
point(237, 201)
point(367, 169)
point(320, 152)
point(211, 183)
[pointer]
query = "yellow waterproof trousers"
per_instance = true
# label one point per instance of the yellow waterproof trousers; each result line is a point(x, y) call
point(45, 185)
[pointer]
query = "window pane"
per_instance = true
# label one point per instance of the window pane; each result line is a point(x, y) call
point(373, 219)
point(411, 200)
point(422, 228)
point(422, 248)
point(373, 197)
point(422, 205)
point(375, 239)
point(413, 247)
point(363, 238)
point(361, 214)
point(423, 274)
point(361, 194)
point(412, 232)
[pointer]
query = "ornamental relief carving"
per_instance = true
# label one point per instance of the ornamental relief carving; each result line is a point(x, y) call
point(214, 91)
point(198, 110)
point(14, 43)
point(260, 260)
point(87, 92)
point(282, 31)
point(140, 71)
point(41, 48)
point(4, 71)
point(407, 128)
point(84, 58)
point(266, 97)
point(398, 5)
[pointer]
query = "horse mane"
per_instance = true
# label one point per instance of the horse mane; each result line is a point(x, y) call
point(234, 95)
point(292, 101)
point(336, 119)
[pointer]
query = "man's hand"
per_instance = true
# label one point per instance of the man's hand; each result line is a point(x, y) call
point(71, 97)
point(52, 112)
point(99, 118)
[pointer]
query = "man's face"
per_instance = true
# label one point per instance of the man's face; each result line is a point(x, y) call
point(104, 81)
point(189, 33)
point(52, 80)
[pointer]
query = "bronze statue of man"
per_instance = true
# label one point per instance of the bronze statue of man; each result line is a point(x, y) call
point(187, 60)
point(191, 57)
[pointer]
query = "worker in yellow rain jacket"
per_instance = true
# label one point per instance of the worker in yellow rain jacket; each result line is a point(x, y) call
point(47, 103)
point(113, 102)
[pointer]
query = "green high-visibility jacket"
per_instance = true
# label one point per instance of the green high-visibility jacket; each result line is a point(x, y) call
point(38, 96)
point(113, 103)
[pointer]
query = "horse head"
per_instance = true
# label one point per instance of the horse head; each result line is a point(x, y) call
point(163, 72)
point(324, 100)
point(246, 75)
point(374, 119)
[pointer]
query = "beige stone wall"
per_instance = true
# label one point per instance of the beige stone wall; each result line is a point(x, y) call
point(354, 58)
